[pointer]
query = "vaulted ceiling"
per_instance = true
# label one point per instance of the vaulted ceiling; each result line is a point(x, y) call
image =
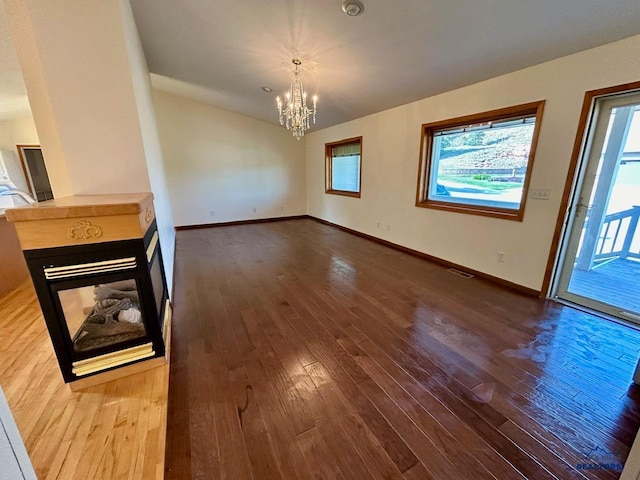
point(394, 53)
point(223, 51)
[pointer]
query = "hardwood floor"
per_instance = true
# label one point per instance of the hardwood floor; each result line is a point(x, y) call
point(300, 351)
point(113, 431)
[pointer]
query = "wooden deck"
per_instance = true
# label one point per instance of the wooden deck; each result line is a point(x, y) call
point(301, 351)
point(617, 282)
point(114, 431)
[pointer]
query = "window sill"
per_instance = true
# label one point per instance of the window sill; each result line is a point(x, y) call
point(344, 193)
point(506, 214)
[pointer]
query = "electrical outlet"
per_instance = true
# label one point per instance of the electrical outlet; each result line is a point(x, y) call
point(254, 209)
point(377, 224)
point(500, 257)
point(388, 228)
point(540, 193)
point(212, 213)
point(282, 208)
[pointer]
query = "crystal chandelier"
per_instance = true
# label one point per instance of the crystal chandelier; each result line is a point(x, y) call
point(295, 114)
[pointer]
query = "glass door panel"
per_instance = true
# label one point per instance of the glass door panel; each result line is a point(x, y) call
point(102, 315)
point(601, 267)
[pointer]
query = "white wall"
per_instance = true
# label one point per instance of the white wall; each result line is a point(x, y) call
point(22, 28)
point(391, 145)
point(75, 63)
point(13, 454)
point(222, 162)
point(89, 90)
point(150, 140)
point(19, 131)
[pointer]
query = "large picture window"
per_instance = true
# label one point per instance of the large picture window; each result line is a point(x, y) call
point(480, 164)
point(343, 165)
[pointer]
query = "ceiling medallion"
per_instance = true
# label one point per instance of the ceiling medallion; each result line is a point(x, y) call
point(295, 114)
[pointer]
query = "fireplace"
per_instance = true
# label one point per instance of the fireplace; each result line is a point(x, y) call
point(104, 297)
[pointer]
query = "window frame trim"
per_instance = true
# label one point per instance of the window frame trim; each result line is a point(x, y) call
point(425, 162)
point(328, 166)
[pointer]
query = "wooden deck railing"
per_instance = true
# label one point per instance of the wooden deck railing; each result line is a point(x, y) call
point(618, 234)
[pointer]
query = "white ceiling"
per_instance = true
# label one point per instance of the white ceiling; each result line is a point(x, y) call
point(223, 51)
point(394, 53)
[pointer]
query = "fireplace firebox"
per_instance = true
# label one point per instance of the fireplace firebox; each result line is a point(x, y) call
point(98, 272)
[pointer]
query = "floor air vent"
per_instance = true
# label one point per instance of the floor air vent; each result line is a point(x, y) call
point(460, 273)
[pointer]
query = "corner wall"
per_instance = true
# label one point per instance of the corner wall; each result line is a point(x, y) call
point(150, 140)
point(221, 165)
point(391, 146)
point(77, 71)
point(90, 94)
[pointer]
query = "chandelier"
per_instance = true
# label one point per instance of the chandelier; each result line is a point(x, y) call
point(295, 113)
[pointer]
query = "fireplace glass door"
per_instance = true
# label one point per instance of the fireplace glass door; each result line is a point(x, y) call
point(104, 304)
point(102, 315)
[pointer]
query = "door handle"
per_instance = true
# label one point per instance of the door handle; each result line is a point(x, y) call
point(586, 205)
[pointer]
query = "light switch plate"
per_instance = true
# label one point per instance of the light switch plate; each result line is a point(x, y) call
point(540, 193)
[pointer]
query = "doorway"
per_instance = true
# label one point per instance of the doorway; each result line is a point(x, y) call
point(599, 263)
point(35, 171)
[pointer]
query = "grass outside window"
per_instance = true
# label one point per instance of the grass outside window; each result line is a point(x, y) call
point(480, 164)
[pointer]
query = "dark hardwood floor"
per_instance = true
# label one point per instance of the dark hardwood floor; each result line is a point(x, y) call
point(303, 352)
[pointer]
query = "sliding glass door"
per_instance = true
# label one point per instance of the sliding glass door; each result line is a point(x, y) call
point(600, 266)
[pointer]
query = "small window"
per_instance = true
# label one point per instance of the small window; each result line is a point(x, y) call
point(480, 164)
point(343, 166)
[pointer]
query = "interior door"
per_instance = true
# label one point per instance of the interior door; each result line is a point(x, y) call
point(34, 166)
point(600, 260)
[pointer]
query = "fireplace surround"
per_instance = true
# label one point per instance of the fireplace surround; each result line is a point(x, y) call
point(97, 268)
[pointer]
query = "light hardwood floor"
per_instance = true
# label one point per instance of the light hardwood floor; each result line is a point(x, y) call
point(113, 431)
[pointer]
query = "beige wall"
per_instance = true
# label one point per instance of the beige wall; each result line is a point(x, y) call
point(19, 131)
point(228, 164)
point(76, 67)
point(150, 140)
point(90, 94)
point(391, 144)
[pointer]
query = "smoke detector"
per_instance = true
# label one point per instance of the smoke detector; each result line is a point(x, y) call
point(353, 8)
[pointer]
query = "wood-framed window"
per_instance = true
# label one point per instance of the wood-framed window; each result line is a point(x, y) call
point(480, 164)
point(343, 167)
